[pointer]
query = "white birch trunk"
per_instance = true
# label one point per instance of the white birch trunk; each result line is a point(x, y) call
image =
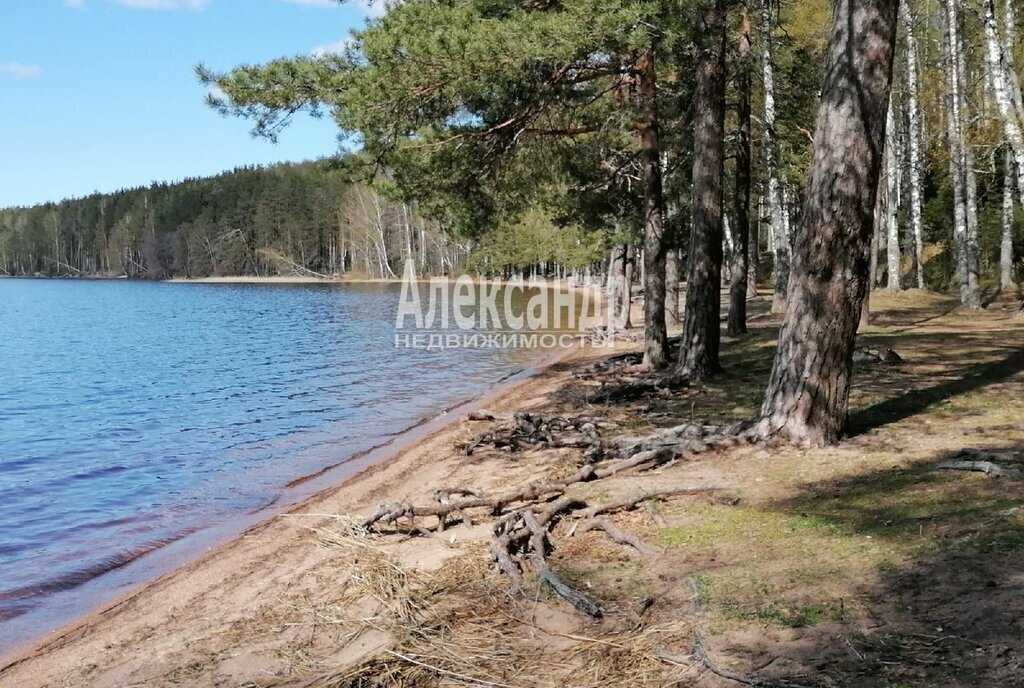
point(893, 263)
point(1006, 245)
point(955, 138)
point(915, 138)
point(998, 78)
point(779, 245)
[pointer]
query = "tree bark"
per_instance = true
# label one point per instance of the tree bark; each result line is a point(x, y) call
point(701, 324)
point(808, 392)
point(628, 267)
point(958, 157)
point(741, 251)
point(780, 246)
point(672, 318)
point(892, 228)
point(1006, 244)
point(998, 78)
point(915, 140)
point(876, 235)
point(656, 355)
point(972, 285)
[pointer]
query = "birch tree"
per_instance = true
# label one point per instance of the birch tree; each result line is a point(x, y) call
point(779, 240)
point(915, 137)
point(892, 229)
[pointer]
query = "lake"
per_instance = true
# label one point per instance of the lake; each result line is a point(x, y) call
point(136, 417)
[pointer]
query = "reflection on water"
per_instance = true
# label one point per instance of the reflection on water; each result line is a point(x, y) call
point(132, 414)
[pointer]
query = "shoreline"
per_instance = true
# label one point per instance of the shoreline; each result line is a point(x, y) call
point(285, 280)
point(218, 541)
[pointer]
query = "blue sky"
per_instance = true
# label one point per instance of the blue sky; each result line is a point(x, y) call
point(100, 94)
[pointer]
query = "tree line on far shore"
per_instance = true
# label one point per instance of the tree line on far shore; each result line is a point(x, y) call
point(307, 219)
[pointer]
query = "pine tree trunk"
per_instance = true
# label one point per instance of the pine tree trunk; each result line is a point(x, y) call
point(701, 324)
point(780, 247)
point(808, 392)
point(655, 335)
point(741, 252)
point(915, 138)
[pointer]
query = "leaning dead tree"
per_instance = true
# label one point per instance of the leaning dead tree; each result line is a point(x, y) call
point(808, 392)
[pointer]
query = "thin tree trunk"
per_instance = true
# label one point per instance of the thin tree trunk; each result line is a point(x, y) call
point(892, 229)
point(915, 139)
point(701, 325)
point(1006, 245)
point(1009, 53)
point(808, 392)
point(972, 294)
point(754, 249)
point(955, 139)
point(655, 334)
point(780, 247)
point(672, 287)
point(628, 266)
point(876, 235)
point(741, 251)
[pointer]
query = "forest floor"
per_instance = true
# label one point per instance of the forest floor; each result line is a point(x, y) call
point(857, 565)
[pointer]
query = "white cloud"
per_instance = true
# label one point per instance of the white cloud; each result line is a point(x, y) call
point(164, 4)
point(337, 48)
point(21, 71)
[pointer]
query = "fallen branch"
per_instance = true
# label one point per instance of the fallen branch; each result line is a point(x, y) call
point(986, 467)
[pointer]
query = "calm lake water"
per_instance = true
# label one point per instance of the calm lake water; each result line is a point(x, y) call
point(135, 414)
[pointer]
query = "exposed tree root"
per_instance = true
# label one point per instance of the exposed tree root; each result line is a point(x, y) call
point(637, 389)
point(523, 538)
point(693, 438)
point(617, 535)
point(983, 461)
point(883, 356)
point(700, 655)
point(523, 430)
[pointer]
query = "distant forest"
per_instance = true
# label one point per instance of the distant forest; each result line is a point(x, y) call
point(306, 219)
